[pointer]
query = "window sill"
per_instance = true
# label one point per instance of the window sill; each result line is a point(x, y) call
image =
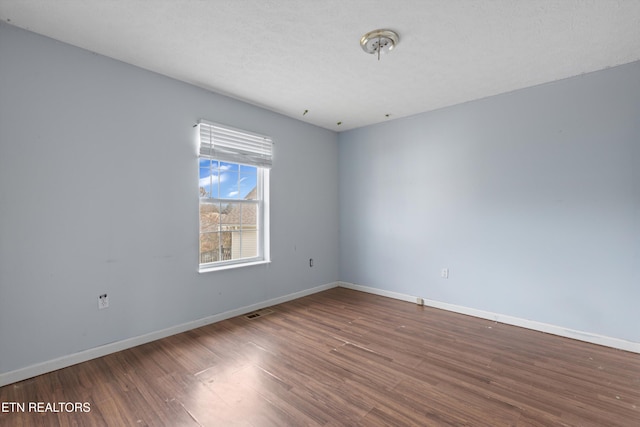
point(232, 266)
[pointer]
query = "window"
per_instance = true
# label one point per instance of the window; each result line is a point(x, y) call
point(234, 196)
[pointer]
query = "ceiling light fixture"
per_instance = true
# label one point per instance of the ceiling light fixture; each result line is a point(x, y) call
point(377, 41)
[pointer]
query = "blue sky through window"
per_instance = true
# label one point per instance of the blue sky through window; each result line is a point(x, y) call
point(226, 180)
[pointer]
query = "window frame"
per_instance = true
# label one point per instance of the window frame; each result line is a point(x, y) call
point(261, 202)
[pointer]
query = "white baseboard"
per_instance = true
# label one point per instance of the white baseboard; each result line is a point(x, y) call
point(509, 320)
point(103, 350)
point(381, 292)
point(83, 356)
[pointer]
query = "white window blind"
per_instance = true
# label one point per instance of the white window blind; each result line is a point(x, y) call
point(234, 145)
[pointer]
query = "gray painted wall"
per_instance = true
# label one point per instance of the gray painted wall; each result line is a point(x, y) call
point(530, 198)
point(98, 193)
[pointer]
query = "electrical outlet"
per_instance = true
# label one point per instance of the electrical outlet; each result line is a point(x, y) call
point(103, 301)
point(444, 273)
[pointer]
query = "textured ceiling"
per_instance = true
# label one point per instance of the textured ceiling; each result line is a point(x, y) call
point(295, 55)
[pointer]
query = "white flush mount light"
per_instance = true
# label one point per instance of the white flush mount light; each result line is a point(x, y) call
point(377, 41)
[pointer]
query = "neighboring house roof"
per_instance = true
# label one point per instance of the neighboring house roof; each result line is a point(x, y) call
point(240, 213)
point(233, 216)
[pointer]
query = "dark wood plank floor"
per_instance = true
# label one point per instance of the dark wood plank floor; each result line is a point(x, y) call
point(344, 358)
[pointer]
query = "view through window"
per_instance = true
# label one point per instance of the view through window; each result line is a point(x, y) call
point(229, 211)
point(233, 186)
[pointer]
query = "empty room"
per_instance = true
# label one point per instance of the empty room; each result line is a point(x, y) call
point(319, 213)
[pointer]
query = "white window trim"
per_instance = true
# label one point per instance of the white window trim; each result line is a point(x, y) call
point(232, 266)
point(263, 235)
